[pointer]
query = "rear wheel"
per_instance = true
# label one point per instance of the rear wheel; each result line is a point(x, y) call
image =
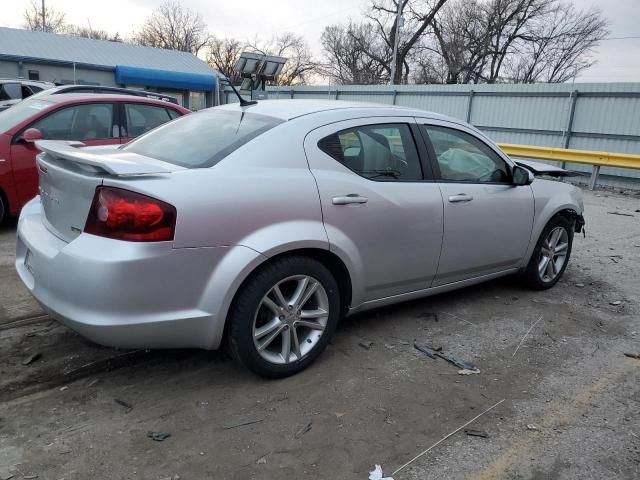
point(551, 255)
point(284, 316)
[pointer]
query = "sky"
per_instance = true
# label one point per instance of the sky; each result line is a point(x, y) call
point(618, 59)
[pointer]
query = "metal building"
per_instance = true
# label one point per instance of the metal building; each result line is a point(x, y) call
point(67, 59)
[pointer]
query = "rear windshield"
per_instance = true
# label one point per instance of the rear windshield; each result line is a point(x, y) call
point(202, 139)
point(21, 111)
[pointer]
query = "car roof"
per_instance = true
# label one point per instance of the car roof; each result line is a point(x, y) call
point(289, 109)
point(24, 80)
point(61, 98)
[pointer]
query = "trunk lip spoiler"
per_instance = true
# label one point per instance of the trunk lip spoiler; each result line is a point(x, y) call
point(539, 168)
point(113, 164)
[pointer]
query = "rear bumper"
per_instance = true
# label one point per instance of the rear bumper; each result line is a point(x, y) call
point(125, 294)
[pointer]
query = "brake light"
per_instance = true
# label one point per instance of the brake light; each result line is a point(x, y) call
point(125, 215)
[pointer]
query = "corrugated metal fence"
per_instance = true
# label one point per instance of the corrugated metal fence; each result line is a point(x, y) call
point(587, 116)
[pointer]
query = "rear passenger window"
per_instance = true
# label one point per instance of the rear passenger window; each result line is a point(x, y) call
point(10, 91)
point(384, 152)
point(142, 118)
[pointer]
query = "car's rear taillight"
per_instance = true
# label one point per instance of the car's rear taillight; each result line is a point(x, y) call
point(125, 215)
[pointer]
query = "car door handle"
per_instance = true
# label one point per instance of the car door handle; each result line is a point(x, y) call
point(349, 199)
point(461, 197)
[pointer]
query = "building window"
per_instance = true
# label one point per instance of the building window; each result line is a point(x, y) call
point(34, 75)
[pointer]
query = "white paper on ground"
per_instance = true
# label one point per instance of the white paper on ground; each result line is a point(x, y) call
point(376, 474)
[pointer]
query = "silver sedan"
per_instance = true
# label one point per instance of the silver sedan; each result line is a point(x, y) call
point(258, 227)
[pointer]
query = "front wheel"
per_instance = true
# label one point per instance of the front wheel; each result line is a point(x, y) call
point(551, 255)
point(284, 316)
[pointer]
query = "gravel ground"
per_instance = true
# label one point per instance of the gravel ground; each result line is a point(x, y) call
point(571, 398)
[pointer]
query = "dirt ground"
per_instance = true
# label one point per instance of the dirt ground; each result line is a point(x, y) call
point(571, 405)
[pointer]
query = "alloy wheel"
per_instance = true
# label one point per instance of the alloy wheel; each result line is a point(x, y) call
point(290, 319)
point(553, 254)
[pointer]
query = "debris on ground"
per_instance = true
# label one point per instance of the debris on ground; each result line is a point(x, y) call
point(158, 436)
point(433, 353)
point(242, 422)
point(532, 427)
point(615, 303)
point(303, 430)
point(62, 389)
point(424, 452)
point(466, 371)
point(376, 474)
point(31, 358)
point(124, 404)
point(579, 285)
point(6, 476)
point(525, 336)
point(621, 213)
point(366, 344)
point(459, 318)
point(476, 433)
point(262, 460)
point(632, 355)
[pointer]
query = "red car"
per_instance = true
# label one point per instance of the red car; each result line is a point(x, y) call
point(90, 118)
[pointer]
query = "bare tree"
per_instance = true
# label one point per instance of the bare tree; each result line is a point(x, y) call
point(417, 17)
point(88, 32)
point(174, 28)
point(507, 23)
point(558, 47)
point(512, 41)
point(49, 20)
point(461, 40)
point(345, 61)
point(300, 64)
point(223, 54)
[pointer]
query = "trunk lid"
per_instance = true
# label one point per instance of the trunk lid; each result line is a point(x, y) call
point(69, 176)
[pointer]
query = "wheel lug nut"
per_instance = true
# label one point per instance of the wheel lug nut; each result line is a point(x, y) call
point(281, 317)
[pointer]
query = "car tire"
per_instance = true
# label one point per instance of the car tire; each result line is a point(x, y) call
point(272, 311)
point(551, 254)
point(4, 209)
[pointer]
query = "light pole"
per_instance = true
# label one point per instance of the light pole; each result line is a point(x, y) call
point(396, 40)
point(43, 18)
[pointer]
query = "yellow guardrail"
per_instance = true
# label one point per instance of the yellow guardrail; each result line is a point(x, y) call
point(587, 157)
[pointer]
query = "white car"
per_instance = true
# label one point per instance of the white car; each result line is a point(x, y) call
point(260, 226)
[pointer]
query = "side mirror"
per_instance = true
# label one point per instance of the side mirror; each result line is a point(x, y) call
point(32, 135)
point(522, 176)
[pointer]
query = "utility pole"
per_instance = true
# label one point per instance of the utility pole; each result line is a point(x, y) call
point(396, 41)
point(43, 18)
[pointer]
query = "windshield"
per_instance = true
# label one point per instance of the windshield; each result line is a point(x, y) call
point(202, 139)
point(11, 117)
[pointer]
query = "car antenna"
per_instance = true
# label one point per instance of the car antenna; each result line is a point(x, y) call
point(243, 102)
